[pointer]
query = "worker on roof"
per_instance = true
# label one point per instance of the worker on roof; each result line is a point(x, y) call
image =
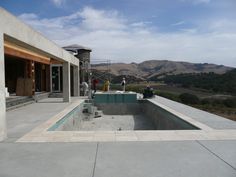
point(85, 88)
point(106, 86)
point(95, 82)
point(123, 84)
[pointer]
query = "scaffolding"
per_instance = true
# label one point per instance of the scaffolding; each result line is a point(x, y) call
point(90, 72)
point(104, 74)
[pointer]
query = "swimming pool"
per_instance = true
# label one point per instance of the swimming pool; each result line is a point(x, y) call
point(139, 115)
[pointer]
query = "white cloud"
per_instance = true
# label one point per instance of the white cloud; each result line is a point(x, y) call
point(28, 16)
point(111, 36)
point(189, 30)
point(178, 23)
point(222, 26)
point(93, 19)
point(202, 1)
point(141, 24)
point(58, 3)
point(197, 1)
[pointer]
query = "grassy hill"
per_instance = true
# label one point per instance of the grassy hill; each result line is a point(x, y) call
point(159, 68)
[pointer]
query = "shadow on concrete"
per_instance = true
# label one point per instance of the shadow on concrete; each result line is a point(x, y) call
point(50, 102)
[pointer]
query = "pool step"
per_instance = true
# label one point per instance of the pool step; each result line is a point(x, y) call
point(19, 101)
point(55, 95)
point(40, 96)
point(98, 113)
point(91, 111)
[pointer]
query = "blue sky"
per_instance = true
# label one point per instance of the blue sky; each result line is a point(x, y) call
point(137, 30)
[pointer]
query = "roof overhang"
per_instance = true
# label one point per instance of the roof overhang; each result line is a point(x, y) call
point(27, 42)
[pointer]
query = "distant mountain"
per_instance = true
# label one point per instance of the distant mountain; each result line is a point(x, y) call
point(159, 68)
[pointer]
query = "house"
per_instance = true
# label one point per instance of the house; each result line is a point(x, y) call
point(29, 65)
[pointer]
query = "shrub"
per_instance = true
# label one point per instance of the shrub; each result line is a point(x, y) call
point(168, 95)
point(230, 102)
point(217, 102)
point(205, 101)
point(134, 88)
point(188, 98)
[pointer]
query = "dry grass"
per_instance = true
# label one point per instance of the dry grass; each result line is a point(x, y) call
point(229, 113)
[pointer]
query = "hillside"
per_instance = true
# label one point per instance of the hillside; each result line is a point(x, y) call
point(221, 83)
point(158, 68)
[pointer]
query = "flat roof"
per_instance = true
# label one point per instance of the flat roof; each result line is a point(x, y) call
point(31, 39)
point(76, 47)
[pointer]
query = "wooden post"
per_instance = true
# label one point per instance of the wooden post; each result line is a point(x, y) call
point(29, 79)
point(32, 74)
point(48, 76)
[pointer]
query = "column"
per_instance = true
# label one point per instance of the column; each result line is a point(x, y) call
point(76, 81)
point(66, 81)
point(3, 128)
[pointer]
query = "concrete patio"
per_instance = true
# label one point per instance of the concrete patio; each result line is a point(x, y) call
point(163, 157)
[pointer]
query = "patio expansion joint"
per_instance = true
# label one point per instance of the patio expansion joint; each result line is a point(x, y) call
point(214, 154)
point(95, 160)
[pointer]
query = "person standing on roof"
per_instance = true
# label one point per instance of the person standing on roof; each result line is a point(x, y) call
point(123, 84)
point(95, 82)
point(85, 88)
point(106, 86)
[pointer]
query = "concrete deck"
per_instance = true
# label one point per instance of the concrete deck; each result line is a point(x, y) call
point(24, 119)
point(207, 131)
point(133, 159)
point(165, 157)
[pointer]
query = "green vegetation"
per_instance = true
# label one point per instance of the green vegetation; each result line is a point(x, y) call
point(218, 83)
point(188, 98)
point(134, 88)
point(168, 95)
point(223, 107)
point(129, 79)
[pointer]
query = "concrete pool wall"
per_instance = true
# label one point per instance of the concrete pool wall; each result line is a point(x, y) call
point(71, 121)
point(120, 108)
point(163, 119)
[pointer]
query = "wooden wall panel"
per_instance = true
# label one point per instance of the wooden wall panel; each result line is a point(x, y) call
point(13, 50)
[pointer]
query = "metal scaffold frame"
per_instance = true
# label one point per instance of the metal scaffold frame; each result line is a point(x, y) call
point(90, 71)
point(106, 73)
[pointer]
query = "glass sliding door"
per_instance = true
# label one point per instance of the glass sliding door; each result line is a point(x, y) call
point(56, 78)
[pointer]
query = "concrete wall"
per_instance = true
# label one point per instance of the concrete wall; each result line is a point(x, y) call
point(76, 78)
point(163, 119)
point(66, 81)
point(84, 56)
point(109, 97)
point(2, 92)
point(72, 122)
point(120, 108)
